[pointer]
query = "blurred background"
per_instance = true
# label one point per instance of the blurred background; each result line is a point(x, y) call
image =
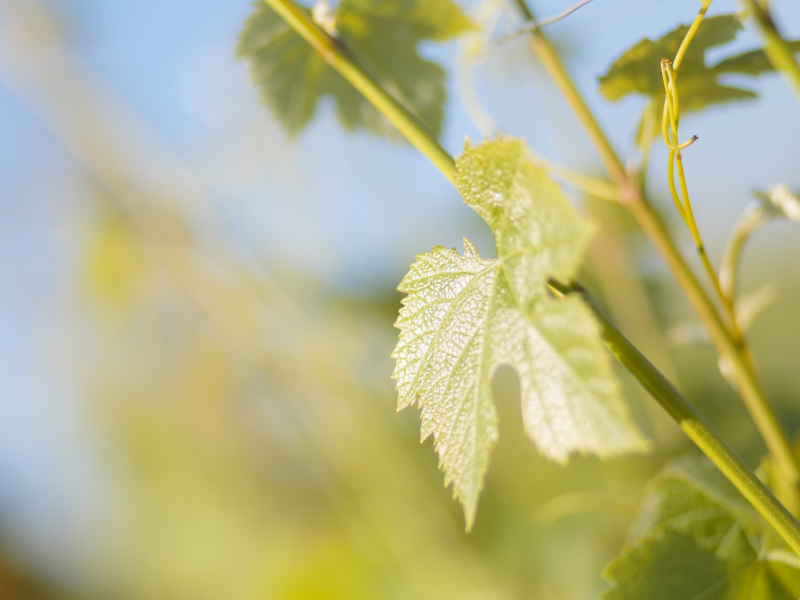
point(196, 314)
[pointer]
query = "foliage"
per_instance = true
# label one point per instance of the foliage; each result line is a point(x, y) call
point(465, 315)
point(383, 34)
point(637, 70)
point(698, 539)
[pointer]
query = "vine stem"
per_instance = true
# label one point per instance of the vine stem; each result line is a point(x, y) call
point(778, 51)
point(411, 128)
point(528, 27)
point(336, 55)
point(633, 197)
point(692, 423)
point(753, 219)
point(670, 71)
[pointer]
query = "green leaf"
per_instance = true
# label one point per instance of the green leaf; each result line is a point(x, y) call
point(692, 496)
point(671, 566)
point(753, 63)
point(465, 315)
point(698, 538)
point(381, 35)
point(639, 69)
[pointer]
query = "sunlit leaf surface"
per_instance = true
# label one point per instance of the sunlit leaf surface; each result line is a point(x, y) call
point(382, 36)
point(465, 315)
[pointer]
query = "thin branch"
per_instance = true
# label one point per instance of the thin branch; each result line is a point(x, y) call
point(336, 55)
point(536, 24)
point(589, 185)
point(752, 220)
point(692, 423)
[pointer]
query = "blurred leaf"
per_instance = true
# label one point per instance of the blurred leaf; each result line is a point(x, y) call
point(754, 62)
point(700, 539)
point(464, 316)
point(638, 70)
point(669, 566)
point(382, 36)
point(691, 496)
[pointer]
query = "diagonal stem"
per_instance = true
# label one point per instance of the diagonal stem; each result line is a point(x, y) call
point(778, 51)
point(528, 27)
point(692, 423)
point(339, 58)
point(753, 219)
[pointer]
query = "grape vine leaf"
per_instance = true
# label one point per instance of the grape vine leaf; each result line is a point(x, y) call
point(638, 70)
point(382, 35)
point(698, 538)
point(754, 62)
point(465, 315)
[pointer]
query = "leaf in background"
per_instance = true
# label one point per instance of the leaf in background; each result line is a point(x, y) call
point(753, 63)
point(700, 539)
point(465, 315)
point(638, 71)
point(382, 36)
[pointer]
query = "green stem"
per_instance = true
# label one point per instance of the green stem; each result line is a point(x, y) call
point(776, 48)
point(762, 413)
point(749, 223)
point(589, 185)
point(692, 423)
point(338, 57)
point(687, 40)
point(552, 64)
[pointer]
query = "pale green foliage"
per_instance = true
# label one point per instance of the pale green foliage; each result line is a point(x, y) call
point(465, 315)
point(754, 62)
point(638, 70)
point(382, 36)
point(698, 538)
point(779, 203)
